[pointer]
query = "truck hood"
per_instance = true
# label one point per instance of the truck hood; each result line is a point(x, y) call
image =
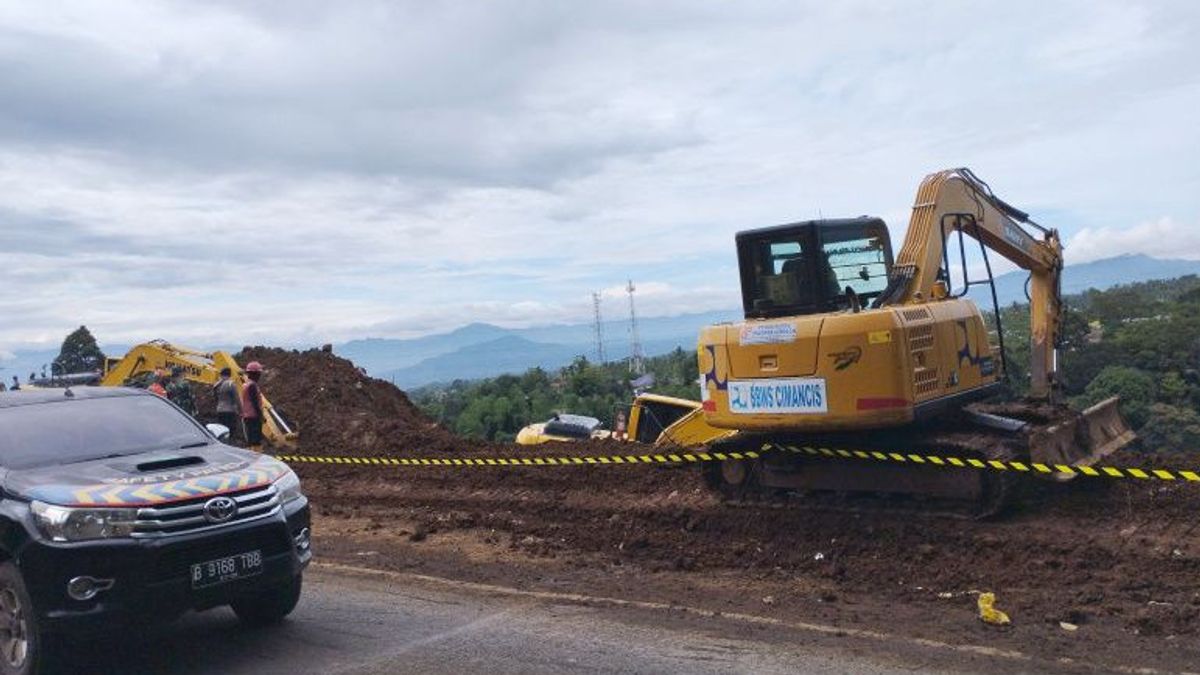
point(146, 479)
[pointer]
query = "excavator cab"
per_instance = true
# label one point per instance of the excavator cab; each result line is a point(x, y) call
point(813, 267)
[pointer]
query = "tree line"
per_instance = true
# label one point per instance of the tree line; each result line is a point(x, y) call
point(497, 408)
point(1138, 341)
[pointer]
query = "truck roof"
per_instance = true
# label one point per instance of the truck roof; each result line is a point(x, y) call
point(13, 399)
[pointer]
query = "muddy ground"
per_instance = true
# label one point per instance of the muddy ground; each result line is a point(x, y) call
point(1104, 572)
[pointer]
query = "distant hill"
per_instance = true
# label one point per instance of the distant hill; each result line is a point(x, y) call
point(381, 355)
point(467, 352)
point(507, 354)
point(510, 354)
point(1099, 274)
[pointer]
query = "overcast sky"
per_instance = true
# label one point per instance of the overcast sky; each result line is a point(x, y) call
point(305, 171)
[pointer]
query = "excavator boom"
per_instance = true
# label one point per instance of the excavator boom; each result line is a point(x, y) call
point(957, 200)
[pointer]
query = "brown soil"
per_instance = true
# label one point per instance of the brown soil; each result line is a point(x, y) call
point(1118, 559)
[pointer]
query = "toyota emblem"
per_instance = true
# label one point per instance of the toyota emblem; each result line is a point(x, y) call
point(220, 509)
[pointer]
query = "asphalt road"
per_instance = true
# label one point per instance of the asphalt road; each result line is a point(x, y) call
point(361, 624)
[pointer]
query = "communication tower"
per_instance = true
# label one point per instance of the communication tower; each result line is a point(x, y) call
point(599, 331)
point(637, 364)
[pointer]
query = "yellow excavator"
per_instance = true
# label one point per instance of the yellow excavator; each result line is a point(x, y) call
point(654, 419)
point(147, 358)
point(844, 347)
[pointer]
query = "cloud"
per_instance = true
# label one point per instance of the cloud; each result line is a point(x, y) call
point(1161, 238)
point(438, 93)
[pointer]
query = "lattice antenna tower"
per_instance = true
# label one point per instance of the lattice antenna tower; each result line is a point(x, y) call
point(599, 330)
point(637, 363)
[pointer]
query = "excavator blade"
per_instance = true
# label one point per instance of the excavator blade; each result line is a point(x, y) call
point(1084, 439)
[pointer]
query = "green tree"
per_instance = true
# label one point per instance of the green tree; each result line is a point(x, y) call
point(1171, 428)
point(79, 354)
point(1135, 387)
point(1172, 388)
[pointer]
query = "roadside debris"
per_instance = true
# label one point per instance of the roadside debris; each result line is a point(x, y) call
point(988, 611)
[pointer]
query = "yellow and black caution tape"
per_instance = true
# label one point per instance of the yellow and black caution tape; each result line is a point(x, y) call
point(991, 464)
point(943, 461)
point(672, 458)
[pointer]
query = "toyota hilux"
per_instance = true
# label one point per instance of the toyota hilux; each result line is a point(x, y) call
point(117, 508)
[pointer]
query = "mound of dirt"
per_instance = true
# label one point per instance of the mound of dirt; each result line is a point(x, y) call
point(339, 410)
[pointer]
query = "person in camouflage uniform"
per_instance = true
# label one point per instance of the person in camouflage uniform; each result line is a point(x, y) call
point(180, 392)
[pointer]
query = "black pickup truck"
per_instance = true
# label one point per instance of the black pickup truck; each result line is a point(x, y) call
point(117, 508)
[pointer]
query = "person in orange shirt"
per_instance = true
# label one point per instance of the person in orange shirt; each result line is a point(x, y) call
point(252, 411)
point(159, 385)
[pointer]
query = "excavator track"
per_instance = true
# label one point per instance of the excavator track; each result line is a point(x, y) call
point(779, 478)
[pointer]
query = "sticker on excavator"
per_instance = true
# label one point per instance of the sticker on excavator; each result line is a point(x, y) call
point(767, 334)
point(782, 395)
point(879, 337)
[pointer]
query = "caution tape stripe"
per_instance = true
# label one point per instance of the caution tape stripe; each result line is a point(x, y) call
point(833, 453)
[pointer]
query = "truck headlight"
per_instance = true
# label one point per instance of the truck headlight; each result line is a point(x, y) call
point(288, 486)
point(62, 523)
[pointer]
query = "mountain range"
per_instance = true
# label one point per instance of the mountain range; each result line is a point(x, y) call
point(480, 350)
point(1099, 274)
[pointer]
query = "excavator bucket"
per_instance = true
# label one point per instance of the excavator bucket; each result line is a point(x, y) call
point(1084, 439)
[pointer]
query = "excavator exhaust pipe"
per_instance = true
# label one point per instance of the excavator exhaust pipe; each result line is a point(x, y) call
point(1083, 440)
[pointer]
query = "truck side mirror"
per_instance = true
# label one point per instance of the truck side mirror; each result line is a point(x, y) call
point(219, 430)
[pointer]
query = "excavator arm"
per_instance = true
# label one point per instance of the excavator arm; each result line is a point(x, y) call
point(957, 200)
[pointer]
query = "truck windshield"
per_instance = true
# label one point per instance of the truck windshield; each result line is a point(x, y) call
point(43, 434)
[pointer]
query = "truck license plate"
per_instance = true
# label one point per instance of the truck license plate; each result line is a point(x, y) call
point(222, 570)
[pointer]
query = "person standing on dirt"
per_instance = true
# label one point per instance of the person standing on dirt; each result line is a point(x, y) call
point(252, 411)
point(180, 392)
point(226, 393)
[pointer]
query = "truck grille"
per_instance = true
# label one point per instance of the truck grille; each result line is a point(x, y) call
point(188, 516)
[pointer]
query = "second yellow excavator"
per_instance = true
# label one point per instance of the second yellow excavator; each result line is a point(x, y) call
point(844, 347)
point(200, 367)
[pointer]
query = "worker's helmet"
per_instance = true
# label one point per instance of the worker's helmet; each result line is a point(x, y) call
point(254, 367)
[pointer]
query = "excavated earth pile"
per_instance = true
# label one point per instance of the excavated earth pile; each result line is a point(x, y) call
point(1101, 570)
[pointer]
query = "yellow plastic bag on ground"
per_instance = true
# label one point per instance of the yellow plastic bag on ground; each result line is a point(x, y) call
point(988, 611)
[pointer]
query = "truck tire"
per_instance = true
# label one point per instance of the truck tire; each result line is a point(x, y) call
point(24, 650)
point(269, 606)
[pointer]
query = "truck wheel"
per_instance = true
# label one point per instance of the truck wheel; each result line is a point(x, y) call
point(270, 606)
point(23, 649)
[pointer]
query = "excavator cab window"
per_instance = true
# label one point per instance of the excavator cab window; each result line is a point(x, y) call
point(806, 268)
